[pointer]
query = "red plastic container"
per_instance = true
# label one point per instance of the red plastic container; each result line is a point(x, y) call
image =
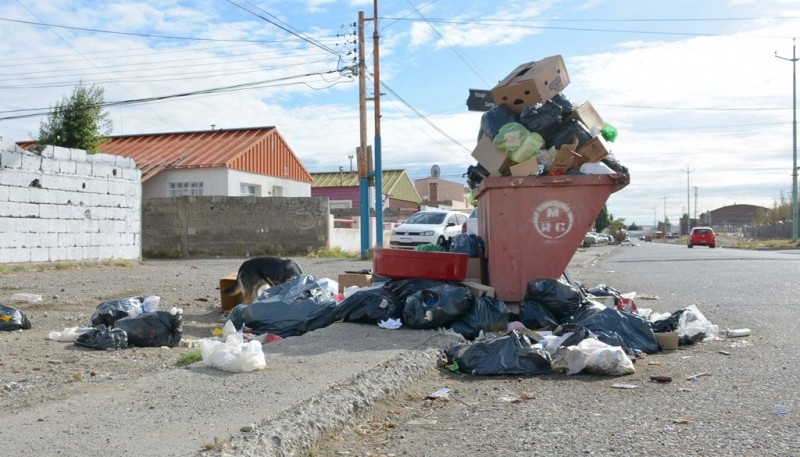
point(533, 225)
point(400, 264)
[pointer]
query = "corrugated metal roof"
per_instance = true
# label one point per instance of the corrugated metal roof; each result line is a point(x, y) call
point(396, 183)
point(259, 150)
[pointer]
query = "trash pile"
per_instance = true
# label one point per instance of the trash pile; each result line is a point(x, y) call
point(534, 129)
point(127, 322)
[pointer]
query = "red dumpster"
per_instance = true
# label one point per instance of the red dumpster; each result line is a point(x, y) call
point(533, 225)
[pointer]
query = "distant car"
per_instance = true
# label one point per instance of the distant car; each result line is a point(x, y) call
point(702, 236)
point(424, 227)
point(471, 224)
point(647, 237)
point(589, 239)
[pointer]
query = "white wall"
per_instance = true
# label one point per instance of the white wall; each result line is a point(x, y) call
point(220, 181)
point(66, 204)
point(349, 239)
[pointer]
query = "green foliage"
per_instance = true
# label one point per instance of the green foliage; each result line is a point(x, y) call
point(78, 121)
point(634, 227)
point(603, 220)
point(189, 358)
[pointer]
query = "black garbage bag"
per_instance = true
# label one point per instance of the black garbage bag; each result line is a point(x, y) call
point(493, 120)
point(604, 290)
point(154, 329)
point(369, 305)
point(488, 314)
point(579, 333)
point(535, 316)
point(438, 306)
point(669, 324)
point(566, 105)
point(544, 118)
point(404, 288)
point(475, 175)
point(300, 286)
point(513, 354)
point(102, 337)
point(567, 133)
point(561, 298)
point(587, 309)
point(12, 319)
point(621, 328)
point(108, 312)
point(468, 243)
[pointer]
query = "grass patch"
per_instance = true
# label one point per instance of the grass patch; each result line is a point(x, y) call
point(334, 253)
point(189, 358)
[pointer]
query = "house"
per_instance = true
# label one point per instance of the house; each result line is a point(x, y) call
point(735, 215)
point(342, 190)
point(223, 162)
point(436, 191)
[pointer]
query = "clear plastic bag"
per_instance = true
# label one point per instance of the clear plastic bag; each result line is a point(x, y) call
point(593, 356)
point(234, 354)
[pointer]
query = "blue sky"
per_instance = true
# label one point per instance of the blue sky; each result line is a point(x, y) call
point(689, 85)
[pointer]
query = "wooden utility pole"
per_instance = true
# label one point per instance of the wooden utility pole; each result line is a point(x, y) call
point(378, 152)
point(363, 162)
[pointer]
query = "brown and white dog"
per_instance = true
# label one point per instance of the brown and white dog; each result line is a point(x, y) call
point(259, 271)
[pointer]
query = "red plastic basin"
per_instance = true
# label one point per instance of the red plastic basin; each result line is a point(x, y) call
point(400, 264)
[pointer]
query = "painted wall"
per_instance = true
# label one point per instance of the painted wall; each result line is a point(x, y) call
point(66, 204)
point(220, 181)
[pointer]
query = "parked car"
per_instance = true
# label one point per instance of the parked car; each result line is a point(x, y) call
point(672, 236)
point(702, 236)
point(589, 239)
point(423, 227)
point(471, 224)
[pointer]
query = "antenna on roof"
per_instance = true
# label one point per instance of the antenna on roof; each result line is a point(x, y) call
point(435, 171)
point(212, 126)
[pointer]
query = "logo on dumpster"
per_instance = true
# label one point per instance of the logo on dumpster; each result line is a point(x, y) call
point(553, 219)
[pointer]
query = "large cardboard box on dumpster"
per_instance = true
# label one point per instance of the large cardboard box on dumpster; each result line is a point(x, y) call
point(588, 116)
point(532, 83)
point(490, 158)
point(478, 289)
point(526, 168)
point(229, 301)
point(668, 341)
point(594, 149)
point(566, 157)
point(354, 279)
point(476, 269)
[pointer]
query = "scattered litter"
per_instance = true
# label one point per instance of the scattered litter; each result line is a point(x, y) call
point(233, 355)
point(390, 324)
point(440, 393)
point(654, 362)
point(685, 389)
point(624, 386)
point(649, 297)
point(511, 399)
point(26, 297)
point(682, 420)
point(781, 410)
point(12, 319)
point(724, 352)
point(69, 334)
point(737, 333)
point(660, 378)
point(696, 377)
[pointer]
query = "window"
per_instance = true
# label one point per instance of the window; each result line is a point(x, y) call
point(180, 189)
point(340, 204)
point(249, 190)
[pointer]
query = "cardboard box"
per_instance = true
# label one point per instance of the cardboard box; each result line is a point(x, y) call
point(476, 270)
point(487, 155)
point(532, 83)
point(354, 279)
point(589, 116)
point(526, 168)
point(668, 341)
point(565, 158)
point(594, 150)
point(229, 301)
point(479, 289)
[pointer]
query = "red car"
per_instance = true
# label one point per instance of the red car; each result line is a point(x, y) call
point(702, 236)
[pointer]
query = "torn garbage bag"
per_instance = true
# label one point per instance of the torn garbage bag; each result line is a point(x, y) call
point(102, 337)
point(12, 319)
point(487, 314)
point(404, 288)
point(621, 328)
point(369, 305)
point(559, 297)
point(108, 312)
point(296, 307)
point(593, 356)
point(513, 354)
point(436, 307)
point(155, 329)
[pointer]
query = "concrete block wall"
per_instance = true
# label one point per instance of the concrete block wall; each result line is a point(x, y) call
point(66, 204)
point(233, 226)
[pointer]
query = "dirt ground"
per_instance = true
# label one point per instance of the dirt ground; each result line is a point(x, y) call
point(36, 369)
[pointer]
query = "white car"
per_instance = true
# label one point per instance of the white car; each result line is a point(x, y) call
point(423, 227)
point(471, 225)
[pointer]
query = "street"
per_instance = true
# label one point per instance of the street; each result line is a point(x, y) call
point(745, 401)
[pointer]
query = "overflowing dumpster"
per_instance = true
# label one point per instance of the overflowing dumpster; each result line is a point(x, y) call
point(533, 225)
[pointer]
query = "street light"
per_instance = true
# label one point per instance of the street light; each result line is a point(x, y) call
point(794, 139)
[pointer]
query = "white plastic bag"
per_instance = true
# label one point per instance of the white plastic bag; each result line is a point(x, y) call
point(233, 355)
point(693, 322)
point(69, 335)
point(594, 356)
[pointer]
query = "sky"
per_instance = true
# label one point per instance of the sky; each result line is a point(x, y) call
point(701, 93)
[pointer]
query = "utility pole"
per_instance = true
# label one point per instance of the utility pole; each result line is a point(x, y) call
point(378, 153)
point(695, 202)
point(794, 138)
point(665, 214)
point(688, 201)
point(363, 161)
point(350, 156)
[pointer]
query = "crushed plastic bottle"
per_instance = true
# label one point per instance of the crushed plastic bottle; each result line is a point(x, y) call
point(27, 297)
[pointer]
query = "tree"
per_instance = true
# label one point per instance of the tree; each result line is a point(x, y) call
point(78, 121)
point(634, 227)
point(602, 220)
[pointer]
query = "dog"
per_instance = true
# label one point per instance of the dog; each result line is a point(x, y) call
point(258, 271)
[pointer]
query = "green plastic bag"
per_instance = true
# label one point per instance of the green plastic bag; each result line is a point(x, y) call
point(609, 133)
point(517, 142)
point(430, 247)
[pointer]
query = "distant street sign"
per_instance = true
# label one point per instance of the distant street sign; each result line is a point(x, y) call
point(480, 100)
